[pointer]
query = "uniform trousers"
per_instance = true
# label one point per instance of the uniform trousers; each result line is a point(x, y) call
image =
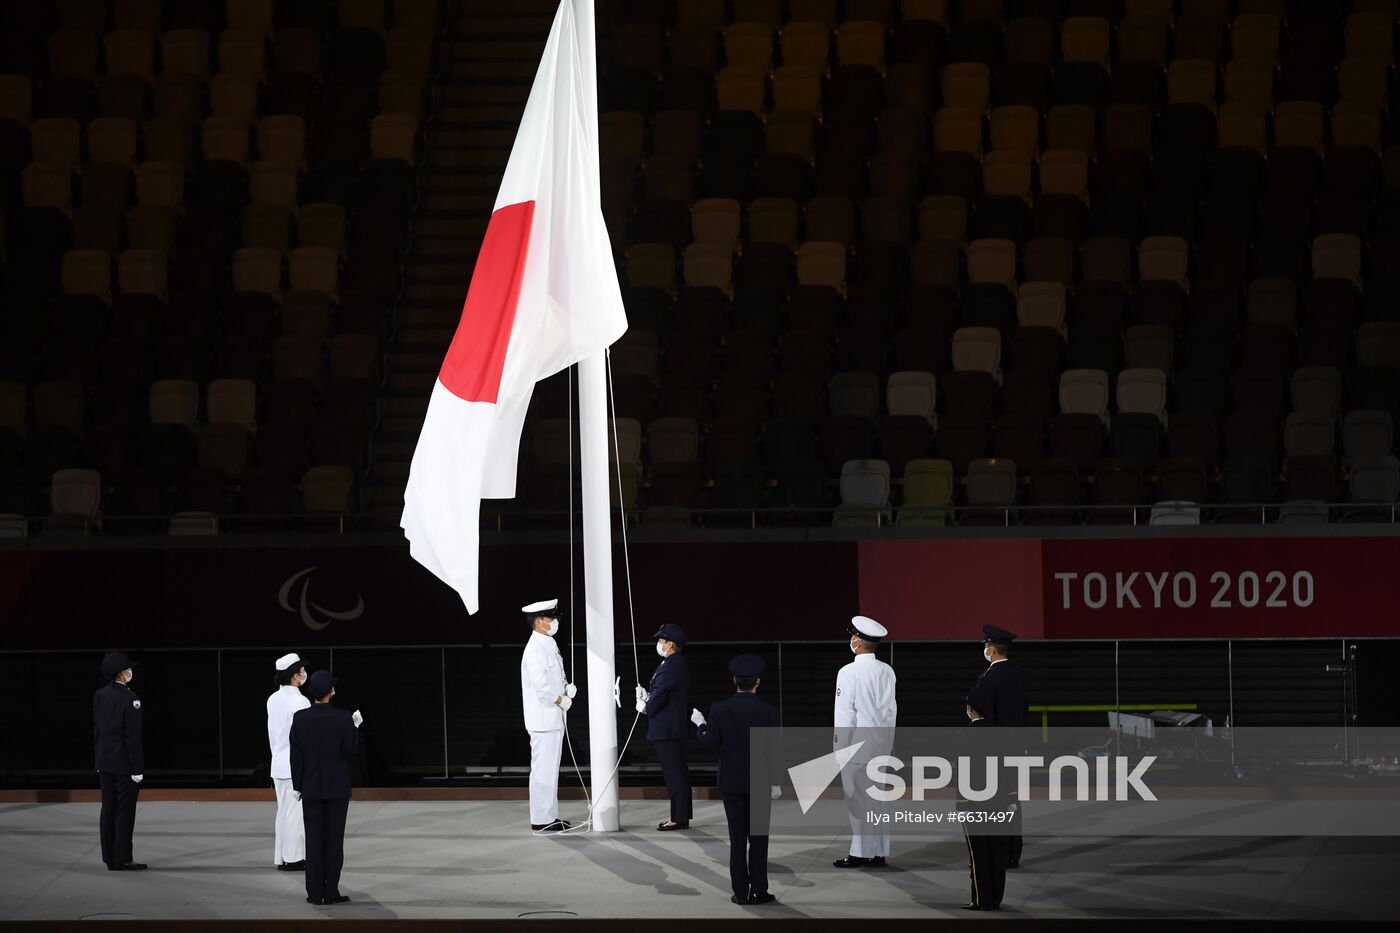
point(545, 751)
point(290, 839)
point(986, 856)
point(748, 854)
point(118, 818)
point(671, 754)
point(867, 840)
point(325, 846)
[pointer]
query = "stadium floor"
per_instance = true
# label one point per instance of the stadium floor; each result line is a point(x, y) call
point(471, 860)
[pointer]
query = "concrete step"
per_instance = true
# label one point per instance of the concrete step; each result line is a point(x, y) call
point(411, 383)
point(468, 71)
point(490, 49)
point(511, 92)
point(403, 406)
point(479, 202)
point(395, 451)
point(488, 160)
point(395, 473)
point(455, 116)
point(457, 227)
point(401, 361)
point(450, 247)
point(469, 138)
point(437, 316)
point(458, 181)
point(425, 339)
point(536, 15)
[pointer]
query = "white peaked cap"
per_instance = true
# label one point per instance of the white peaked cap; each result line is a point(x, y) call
point(542, 606)
point(287, 660)
point(868, 626)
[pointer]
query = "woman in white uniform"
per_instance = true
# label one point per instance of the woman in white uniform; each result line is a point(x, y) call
point(290, 851)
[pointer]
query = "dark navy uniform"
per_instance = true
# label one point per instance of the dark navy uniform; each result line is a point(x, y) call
point(1000, 695)
point(987, 853)
point(116, 734)
point(667, 707)
point(728, 731)
point(323, 739)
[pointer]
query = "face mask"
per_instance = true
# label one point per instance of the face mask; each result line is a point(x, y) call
point(553, 627)
point(987, 653)
point(855, 646)
point(661, 648)
point(130, 676)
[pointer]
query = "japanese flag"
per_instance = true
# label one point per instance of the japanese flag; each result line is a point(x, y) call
point(543, 296)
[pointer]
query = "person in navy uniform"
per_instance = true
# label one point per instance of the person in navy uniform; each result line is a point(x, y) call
point(987, 853)
point(121, 767)
point(665, 703)
point(1000, 695)
point(728, 731)
point(322, 741)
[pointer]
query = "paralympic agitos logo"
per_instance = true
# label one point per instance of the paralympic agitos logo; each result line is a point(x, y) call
point(312, 614)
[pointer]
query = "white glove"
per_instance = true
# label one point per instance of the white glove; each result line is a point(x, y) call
point(296, 794)
point(697, 717)
point(641, 705)
point(570, 691)
point(641, 694)
point(138, 778)
point(565, 702)
point(356, 718)
point(775, 791)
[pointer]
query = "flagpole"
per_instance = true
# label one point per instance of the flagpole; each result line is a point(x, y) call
point(598, 591)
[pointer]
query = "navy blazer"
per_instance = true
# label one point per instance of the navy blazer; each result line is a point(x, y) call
point(727, 729)
point(323, 739)
point(116, 730)
point(1000, 694)
point(668, 700)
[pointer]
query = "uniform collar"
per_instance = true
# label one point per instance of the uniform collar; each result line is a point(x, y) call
point(998, 661)
point(540, 637)
point(866, 657)
point(296, 690)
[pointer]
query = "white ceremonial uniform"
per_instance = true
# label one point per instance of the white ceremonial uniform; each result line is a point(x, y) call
point(290, 844)
point(541, 681)
point(865, 701)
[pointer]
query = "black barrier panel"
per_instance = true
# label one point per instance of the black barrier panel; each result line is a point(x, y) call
point(400, 691)
point(452, 715)
point(246, 683)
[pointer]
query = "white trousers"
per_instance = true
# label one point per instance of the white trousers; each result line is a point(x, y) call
point(291, 832)
point(545, 750)
point(866, 840)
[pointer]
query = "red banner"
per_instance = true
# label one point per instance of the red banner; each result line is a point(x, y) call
point(1274, 587)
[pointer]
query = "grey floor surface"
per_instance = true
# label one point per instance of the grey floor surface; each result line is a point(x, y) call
point(472, 860)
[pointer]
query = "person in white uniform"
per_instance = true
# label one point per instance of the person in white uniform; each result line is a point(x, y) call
point(865, 713)
point(546, 696)
point(289, 853)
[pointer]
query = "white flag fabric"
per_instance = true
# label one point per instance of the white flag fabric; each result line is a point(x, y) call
point(544, 295)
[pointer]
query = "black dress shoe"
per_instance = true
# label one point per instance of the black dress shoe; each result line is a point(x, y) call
point(852, 861)
point(1015, 863)
point(669, 827)
point(556, 827)
point(877, 861)
point(736, 899)
point(971, 906)
point(338, 899)
point(292, 866)
point(764, 898)
point(129, 866)
point(312, 900)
